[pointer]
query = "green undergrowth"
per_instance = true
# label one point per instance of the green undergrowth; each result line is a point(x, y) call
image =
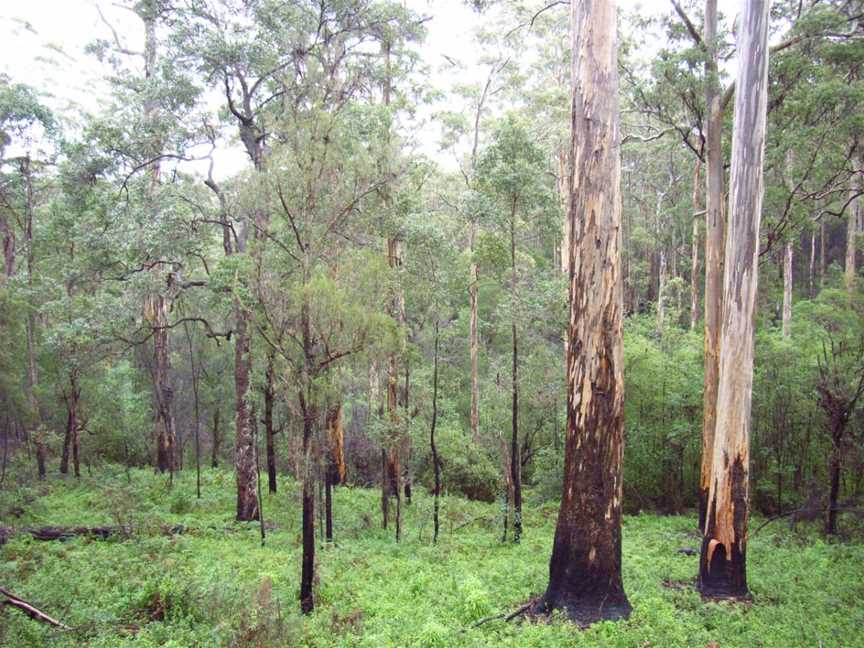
point(215, 585)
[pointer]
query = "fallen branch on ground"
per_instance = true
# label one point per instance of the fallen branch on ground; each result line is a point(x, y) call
point(29, 609)
point(507, 617)
point(481, 518)
point(65, 533)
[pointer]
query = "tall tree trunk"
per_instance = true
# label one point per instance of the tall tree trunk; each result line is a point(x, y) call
point(515, 462)
point(694, 254)
point(436, 462)
point(156, 313)
point(661, 290)
point(406, 439)
point(35, 417)
point(307, 408)
point(714, 225)
point(196, 409)
point(787, 289)
point(244, 445)
point(394, 259)
point(722, 564)
point(70, 439)
point(811, 272)
point(823, 251)
point(853, 225)
point(335, 469)
point(269, 431)
point(156, 304)
point(585, 568)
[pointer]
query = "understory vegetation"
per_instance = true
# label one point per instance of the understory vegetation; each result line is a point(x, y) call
point(215, 585)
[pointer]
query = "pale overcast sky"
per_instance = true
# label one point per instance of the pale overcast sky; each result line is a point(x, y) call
point(42, 44)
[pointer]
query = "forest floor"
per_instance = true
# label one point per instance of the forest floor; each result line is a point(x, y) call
point(215, 585)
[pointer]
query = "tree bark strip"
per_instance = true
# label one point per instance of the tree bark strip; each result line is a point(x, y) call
point(694, 255)
point(714, 226)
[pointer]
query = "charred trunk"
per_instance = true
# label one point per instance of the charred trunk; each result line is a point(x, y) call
point(269, 431)
point(585, 568)
point(217, 440)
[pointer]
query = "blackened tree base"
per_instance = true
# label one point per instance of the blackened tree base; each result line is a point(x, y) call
point(585, 609)
point(719, 578)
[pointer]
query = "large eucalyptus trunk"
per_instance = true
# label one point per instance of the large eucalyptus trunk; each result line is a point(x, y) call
point(244, 443)
point(722, 564)
point(156, 313)
point(585, 568)
point(714, 226)
point(156, 303)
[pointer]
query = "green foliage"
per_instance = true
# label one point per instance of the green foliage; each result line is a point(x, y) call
point(214, 585)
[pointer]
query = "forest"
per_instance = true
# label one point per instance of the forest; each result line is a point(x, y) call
point(324, 326)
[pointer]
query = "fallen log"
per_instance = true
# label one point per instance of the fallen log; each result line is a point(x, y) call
point(65, 533)
point(29, 609)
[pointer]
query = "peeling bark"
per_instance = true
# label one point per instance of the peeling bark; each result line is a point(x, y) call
point(722, 565)
point(244, 444)
point(714, 226)
point(334, 473)
point(585, 568)
point(694, 254)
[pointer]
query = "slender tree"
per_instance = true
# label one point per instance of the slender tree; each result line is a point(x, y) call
point(714, 226)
